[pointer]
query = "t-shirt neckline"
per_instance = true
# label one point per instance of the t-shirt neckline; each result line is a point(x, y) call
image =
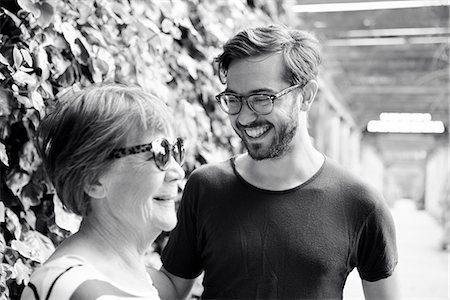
point(267, 191)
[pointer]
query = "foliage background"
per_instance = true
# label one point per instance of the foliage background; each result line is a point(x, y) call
point(48, 46)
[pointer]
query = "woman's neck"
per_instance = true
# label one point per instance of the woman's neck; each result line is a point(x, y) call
point(118, 255)
point(116, 237)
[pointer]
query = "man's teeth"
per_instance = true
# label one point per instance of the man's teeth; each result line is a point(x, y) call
point(255, 132)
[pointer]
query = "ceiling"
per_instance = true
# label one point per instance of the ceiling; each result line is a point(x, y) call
point(385, 60)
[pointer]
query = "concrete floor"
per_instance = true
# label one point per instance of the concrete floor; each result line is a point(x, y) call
point(423, 268)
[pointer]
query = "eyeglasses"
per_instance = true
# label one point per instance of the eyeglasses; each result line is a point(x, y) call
point(260, 103)
point(160, 148)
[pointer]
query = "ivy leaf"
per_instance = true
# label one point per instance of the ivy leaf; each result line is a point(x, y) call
point(2, 219)
point(149, 24)
point(23, 249)
point(29, 6)
point(42, 63)
point(27, 57)
point(59, 63)
point(12, 223)
point(169, 27)
point(85, 10)
point(3, 60)
point(47, 89)
point(184, 60)
point(7, 271)
point(17, 57)
point(42, 11)
point(23, 272)
point(4, 289)
point(70, 34)
point(3, 156)
point(95, 36)
point(43, 245)
point(38, 103)
point(16, 181)
point(64, 219)
point(46, 14)
point(25, 69)
point(29, 158)
point(25, 101)
point(24, 79)
point(5, 102)
point(34, 246)
point(29, 216)
point(103, 65)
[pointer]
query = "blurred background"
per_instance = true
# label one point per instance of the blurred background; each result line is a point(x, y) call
point(382, 110)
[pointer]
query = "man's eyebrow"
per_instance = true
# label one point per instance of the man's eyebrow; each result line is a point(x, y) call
point(261, 90)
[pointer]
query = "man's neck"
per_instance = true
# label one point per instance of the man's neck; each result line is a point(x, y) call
point(282, 173)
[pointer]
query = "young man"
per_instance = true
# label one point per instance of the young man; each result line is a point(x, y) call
point(280, 221)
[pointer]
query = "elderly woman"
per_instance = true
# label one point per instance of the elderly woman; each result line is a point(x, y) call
point(112, 156)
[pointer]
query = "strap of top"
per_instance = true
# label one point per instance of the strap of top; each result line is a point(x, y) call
point(54, 281)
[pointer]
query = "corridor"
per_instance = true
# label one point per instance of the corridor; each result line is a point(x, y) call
point(423, 269)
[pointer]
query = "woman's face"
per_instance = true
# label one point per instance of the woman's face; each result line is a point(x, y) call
point(139, 194)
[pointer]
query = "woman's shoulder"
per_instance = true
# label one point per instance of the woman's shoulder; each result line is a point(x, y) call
point(59, 278)
point(70, 277)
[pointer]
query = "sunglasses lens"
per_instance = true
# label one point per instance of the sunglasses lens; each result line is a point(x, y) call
point(161, 153)
point(179, 151)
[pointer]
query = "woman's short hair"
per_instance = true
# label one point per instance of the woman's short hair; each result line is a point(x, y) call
point(77, 137)
point(301, 51)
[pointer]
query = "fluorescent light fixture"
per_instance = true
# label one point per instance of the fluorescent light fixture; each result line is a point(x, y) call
point(405, 126)
point(395, 32)
point(414, 117)
point(366, 42)
point(405, 123)
point(360, 6)
point(388, 41)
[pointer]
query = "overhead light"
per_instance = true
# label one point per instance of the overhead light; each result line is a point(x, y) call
point(414, 117)
point(359, 6)
point(366, 42)
point(388, 41)
point(405, 123)
point(389, 32)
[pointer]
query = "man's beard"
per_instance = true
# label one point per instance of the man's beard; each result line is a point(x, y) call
point(280, 145)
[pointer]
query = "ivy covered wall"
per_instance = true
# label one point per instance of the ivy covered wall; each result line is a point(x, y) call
point(49, 46)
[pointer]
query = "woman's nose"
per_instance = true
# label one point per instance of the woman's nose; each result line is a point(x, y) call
point(175, 171)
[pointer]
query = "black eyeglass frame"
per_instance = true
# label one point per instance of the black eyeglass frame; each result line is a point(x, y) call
point(241, 98)
point(177, 147)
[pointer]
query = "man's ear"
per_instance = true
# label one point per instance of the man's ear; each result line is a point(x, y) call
point(309, 93)
point(95, 190)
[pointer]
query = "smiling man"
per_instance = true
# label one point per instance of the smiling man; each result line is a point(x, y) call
point(282, 220)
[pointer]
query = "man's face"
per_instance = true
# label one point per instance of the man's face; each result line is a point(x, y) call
point(264, 136)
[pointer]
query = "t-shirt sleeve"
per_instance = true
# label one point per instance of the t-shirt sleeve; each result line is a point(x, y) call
point(377, 246)
point(181, 256)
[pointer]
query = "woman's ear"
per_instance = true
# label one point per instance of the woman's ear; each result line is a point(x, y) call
point(95, 190)
point(309, 94)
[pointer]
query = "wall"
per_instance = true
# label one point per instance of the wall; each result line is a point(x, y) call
point(372, 167)
point(333, 129)
point(437, 181)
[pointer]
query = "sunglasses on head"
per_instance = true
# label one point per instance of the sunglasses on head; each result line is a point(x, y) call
point(161, 149)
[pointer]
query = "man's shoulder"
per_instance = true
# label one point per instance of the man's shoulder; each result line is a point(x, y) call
point(212, 171)
point(351, 185)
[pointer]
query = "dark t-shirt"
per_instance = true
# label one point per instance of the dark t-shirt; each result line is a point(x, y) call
point(298, 244)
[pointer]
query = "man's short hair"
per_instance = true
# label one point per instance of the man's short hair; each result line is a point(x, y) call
point(300, 50)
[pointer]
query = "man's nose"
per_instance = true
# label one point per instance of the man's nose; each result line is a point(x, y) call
point(246, 115)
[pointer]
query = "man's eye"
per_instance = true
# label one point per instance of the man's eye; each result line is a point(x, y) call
point(260, 98)
point(232, 99)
